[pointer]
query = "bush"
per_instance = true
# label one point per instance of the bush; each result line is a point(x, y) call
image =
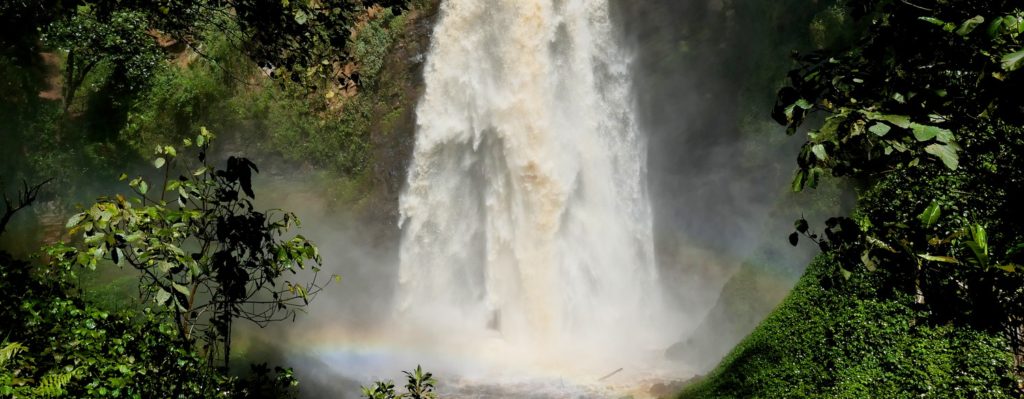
point(836, 338)
point(70, 347)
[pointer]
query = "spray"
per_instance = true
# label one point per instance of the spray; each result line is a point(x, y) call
point(527, 229)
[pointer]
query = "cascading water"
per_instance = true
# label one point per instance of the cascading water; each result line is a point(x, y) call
point(526, 221)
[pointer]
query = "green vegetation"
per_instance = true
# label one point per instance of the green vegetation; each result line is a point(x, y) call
point(203, 261)
point(918, 292)
point(420, 385)
point(99, 84)
point(142, 300)
point(206, 256)
point(837, 339)
point(917, 104)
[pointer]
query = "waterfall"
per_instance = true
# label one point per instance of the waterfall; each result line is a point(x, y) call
point(525, 217)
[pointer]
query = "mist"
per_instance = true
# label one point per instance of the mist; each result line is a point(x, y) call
point(704, 74)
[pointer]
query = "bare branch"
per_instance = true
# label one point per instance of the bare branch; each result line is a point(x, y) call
point(26, 196)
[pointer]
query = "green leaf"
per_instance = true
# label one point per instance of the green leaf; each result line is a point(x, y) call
point(831, 125)
point(1009, 268)
point(980, 236)
point(901, 121)
point(970, 25)
point(942, 259)
point(790, 113)
point(301, 17)
point(162, 296)
point(804, 104)
point(933, 21)
point(931, 214)
point(980, 256)
point(865, 257)
point(846, 273)
point(995, 28)
point(75, 220)
point(880, 129)
point(181, 288)
point(799, 181)
point(819, 152)
point(159, 162)
point(926, 132)
point(880, 244)
point(814, 176)
point(143, 187)
point(945, 152)
point(1013, 61)
point(95, 239)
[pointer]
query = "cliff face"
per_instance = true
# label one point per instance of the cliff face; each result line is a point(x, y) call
point(393, 134)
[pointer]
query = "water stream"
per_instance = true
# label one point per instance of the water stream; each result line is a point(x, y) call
point(527, 232)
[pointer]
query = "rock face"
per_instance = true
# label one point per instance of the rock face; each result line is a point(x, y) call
point(393, 136)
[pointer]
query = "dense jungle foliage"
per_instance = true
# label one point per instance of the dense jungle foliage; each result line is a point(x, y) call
point(923, 113)
point(89, 89)
point(92, 87)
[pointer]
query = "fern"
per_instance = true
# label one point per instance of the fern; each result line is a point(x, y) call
point(52, 384)
point(9, 351)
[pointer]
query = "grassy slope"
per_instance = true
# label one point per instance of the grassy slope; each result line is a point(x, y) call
point(833, 343)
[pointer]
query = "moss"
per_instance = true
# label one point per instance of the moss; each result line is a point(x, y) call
point(845, 342)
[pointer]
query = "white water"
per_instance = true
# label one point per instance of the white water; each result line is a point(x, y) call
point(527, 233)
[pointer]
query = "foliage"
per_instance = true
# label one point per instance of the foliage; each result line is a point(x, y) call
point(299, 39)
point(127, 75)
point(836, 338)
point(178, 102)
point(419, 385)
point(373, 42)
point(262, 383)
point(925, 113)
point(380, 390)
point(206, 257)
point(58, 344)
point(915, 287)
point(118, 37)
point(67, 346)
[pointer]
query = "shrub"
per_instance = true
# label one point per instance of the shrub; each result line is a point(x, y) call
point(836, 338)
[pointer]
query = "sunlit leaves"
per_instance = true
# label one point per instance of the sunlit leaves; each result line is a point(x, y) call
point(970, 25)
point(1013, 61)
point(161, 297)
point(941, 259)
point(880, 129)
point(819, 152)
point(926, 132)
point(204, 258)
point(978, 245)
point(931, 215)
point(947, 153)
